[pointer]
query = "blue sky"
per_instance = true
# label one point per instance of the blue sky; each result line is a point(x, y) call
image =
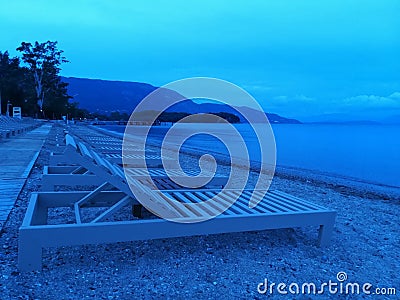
point(303, 59)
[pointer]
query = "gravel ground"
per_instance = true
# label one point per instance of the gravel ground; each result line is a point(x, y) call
point(365, 245)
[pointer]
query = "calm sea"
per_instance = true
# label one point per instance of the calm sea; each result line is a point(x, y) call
point(367, 152)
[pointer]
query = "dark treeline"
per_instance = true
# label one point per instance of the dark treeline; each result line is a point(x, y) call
point(113, 116)
point(168, 117)
point(32, 82)
point(173, 117)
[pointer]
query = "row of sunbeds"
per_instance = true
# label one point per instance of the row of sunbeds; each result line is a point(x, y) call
point(108, 210)
point(13, 126)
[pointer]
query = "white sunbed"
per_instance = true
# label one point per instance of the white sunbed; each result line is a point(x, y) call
point(275, 210)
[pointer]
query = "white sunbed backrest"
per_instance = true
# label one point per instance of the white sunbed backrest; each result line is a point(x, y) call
point(84, 150)
point(99, 160)
point(118, 171)
point(115, 170)
point(69, 140)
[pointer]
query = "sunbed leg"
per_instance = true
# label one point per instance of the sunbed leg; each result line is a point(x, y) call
point(325, 234)
point(137, 210)
point(29, 253)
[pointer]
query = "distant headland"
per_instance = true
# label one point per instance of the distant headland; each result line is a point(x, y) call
point(117, 99)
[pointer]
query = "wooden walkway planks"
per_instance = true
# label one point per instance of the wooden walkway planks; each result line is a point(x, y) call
point(17, 157)
point(9, 190)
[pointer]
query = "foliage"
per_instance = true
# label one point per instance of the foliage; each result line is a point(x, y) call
point(173, 117)
point(43, 61)
point(231, 118)
point(37, 86)
point(11, 78)
point(117, 116)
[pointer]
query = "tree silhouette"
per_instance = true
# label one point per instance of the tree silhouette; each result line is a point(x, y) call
point(11, 81)
point(43, 61)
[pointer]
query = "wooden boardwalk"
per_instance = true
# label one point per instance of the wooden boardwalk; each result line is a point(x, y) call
point(17, 157)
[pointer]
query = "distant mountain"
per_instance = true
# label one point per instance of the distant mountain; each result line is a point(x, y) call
point(257, 116)
point(105, 96)
point(369, 118)
point(361, 122)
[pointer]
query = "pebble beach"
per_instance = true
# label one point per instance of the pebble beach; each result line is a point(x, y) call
point(365, 246)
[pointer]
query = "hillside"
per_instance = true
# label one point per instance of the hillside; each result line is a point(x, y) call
point(105, 96)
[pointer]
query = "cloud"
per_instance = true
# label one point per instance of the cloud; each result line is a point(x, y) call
point(281, 98)
point(360, 107)
point(257, 88)
point(294, 99)
point(395, 95)
point(356, 103)
point(303, 98)
point(373, 101)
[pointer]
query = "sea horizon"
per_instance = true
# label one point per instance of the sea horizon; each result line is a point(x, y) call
point(367, 153)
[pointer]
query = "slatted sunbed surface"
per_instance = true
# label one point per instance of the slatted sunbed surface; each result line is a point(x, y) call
point(275, 210)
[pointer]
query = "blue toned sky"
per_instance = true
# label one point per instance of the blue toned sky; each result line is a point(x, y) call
point(313, 60)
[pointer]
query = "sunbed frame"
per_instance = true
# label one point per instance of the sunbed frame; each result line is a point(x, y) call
point(275, 210)
point(78, 175)
point(73, 176)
